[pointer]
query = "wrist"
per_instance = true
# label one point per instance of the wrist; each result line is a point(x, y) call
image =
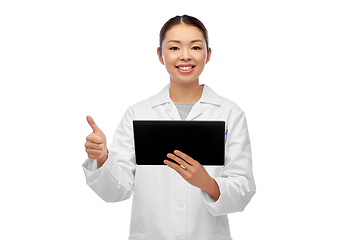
point(212, 189)
point(102, 160)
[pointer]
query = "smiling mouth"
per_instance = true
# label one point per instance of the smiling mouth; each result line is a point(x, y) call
point(187, 68)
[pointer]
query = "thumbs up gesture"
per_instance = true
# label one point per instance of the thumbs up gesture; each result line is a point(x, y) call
point(95, 145)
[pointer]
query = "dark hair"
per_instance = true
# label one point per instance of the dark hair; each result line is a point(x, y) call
point(185, 19)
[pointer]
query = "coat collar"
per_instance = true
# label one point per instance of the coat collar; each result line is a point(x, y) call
point(208, 96)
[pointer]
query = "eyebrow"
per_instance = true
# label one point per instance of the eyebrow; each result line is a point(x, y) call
point(177, 41)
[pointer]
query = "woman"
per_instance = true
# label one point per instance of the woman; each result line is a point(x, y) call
point(174, 202)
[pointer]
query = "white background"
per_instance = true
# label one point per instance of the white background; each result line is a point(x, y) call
point(292, 66)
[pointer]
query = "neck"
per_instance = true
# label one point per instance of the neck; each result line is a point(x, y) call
point(185, 92)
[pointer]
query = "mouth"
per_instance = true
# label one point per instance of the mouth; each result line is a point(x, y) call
point(185, 68)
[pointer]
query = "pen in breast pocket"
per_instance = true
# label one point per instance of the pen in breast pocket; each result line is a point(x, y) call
point(226, 133)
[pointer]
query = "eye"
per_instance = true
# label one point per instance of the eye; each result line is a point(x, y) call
point(196, 48)
point(174, 48)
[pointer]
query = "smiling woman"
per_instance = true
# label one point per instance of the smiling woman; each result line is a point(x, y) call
point(184, 51)
point(193, 191)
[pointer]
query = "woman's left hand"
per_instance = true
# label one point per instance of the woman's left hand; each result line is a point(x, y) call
point(194, 173)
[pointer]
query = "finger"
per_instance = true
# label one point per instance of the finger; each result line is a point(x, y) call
point(94, 138)
point(91, 145)
point(93, 125)
point(178, 160)
point(187, 158)
point(93, 152)
point(175, 166)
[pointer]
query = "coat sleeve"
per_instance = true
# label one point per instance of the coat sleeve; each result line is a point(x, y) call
point(114, 181)
point(236, 183)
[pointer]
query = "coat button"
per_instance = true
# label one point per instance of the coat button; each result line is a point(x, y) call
point(181, 205)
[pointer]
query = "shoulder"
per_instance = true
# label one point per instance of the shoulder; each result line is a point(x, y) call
point(223, 102)
point(140, 106)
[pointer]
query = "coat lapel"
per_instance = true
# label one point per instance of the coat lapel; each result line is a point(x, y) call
point(172, 111)
point(163, 98)
point(195, 111)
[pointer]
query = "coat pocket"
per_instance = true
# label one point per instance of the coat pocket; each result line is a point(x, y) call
point(137, 237)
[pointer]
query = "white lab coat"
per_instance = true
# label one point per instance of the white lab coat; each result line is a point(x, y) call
point(165, 206)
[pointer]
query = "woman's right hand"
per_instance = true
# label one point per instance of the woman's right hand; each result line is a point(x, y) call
point(95, 145)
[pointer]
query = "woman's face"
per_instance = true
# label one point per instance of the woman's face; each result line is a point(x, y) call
point(184, 53)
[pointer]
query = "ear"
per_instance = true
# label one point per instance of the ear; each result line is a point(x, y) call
point(160, 56)
point(208, 56)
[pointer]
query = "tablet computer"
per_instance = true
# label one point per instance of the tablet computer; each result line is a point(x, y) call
point(203, 141)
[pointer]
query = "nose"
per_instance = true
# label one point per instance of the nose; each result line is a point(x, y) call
point(185, 55)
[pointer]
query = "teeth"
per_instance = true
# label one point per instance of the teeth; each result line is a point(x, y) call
point(186, 68)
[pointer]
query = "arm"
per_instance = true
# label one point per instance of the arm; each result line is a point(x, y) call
point(113, 179)
point(236, 184)
point(233, 190)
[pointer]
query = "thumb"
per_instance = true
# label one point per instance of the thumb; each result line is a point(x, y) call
point(93, 125)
